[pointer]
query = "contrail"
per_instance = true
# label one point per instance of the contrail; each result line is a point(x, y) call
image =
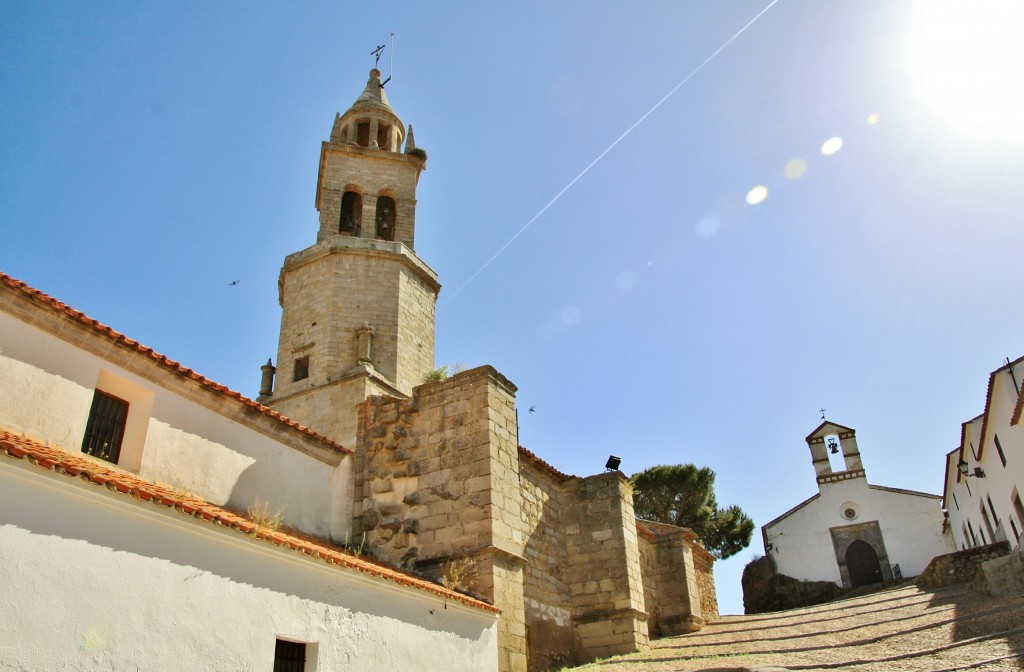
point(608, 149)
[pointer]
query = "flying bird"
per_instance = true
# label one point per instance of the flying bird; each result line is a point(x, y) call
point(532, 409)
point(233, 283)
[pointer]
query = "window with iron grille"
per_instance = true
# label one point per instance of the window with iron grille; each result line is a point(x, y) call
point(105, 429)
point(289, 656)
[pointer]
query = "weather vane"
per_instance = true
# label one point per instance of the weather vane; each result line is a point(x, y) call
point(822, 410)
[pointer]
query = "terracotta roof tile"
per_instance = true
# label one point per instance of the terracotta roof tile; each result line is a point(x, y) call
point(123, 341)
point(18, 446)
point(523, 452)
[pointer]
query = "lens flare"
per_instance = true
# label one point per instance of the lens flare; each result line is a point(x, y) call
point(625, 280)
point(795, 169)
point(708, 226)
point(873, 118)
point(757, 194)
point(831, 146)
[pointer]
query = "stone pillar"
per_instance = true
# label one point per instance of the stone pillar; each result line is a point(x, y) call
point(604, 568)
point(267, 380)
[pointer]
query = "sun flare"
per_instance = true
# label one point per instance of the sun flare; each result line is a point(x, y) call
point(966, 61)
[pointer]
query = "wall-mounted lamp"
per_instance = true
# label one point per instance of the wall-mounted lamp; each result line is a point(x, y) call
point(613, 463)
point(962, 468)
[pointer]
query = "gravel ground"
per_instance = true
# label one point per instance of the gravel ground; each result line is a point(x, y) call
point(904, 629)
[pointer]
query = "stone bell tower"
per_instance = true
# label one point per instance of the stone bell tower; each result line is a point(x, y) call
point(358, 305)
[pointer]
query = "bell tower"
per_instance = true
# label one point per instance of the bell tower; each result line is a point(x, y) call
point(841, 442)
point(358, 305)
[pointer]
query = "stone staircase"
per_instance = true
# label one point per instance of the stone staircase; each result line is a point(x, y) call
point(903, 629)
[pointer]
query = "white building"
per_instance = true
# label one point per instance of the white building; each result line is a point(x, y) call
point(131, 526)
point(984, 476)
point(853, 533)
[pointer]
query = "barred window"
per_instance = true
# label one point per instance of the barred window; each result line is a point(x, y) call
point(105, 429)
point(289, 656)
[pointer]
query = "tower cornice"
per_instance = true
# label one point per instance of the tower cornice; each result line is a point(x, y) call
point(368, 247)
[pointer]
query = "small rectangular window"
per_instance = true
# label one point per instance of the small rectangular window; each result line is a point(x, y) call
point(999, 449)
point(289, 656)
point(104, 430)
point(301, 368)
point(993, 510)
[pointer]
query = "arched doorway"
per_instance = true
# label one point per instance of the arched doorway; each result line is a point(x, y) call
point(862, 564)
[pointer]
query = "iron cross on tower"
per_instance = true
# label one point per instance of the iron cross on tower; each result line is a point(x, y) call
point(376, 53)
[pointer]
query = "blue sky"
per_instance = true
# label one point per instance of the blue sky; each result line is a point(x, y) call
point(152, 153)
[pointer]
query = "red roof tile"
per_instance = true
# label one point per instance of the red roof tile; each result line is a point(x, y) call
point(19, 446)
point(523, 452)
point(123, 341)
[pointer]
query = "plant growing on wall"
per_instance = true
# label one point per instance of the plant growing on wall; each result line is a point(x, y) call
point(684, 495)
point(458, 574)
point(442, 372)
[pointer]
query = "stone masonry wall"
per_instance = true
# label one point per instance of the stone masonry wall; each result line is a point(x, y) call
point(551, 640)
point(331, 290)
point(703, 564)
point(604, 567)
point(671, 578)
point(649, 571)
point(961, 567)
point(369, 172)
point(437, 480)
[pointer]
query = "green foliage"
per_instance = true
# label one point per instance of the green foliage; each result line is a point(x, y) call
point(684, 495)
point(442, 372)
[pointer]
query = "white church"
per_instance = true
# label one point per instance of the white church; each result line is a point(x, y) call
point(853, 533)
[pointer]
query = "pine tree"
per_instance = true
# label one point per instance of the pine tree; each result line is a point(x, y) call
point(683, 495)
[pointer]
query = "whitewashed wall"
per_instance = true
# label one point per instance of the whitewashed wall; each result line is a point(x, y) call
point(911, 527)
point(46, 389)
point(93, 580)
point(966, 494)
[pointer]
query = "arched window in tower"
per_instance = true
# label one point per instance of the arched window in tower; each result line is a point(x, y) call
point(382, 136)
point(351, 214)
point(385, 218)
point(363, 133)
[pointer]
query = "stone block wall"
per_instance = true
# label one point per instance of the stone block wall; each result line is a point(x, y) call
point(551, 638)
point(330, 291)
point(671, 584)
point(370, 173)
point(953, 569)
point(437, 480)
point(604, 567)
point(704, 566)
